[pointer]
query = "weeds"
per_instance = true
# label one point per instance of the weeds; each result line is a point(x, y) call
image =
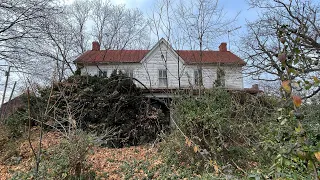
point(219, 132)
point(230, 135)
point(65, 161)
point(16, 124)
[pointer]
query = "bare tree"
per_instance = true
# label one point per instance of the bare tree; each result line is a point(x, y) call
point(117, 27)
point(285, 35)
point(80, 11)
point(202, 21)
point(127, 29)
point(162, 19)
point(57, 47)
point(101, 11)
point(20, 22)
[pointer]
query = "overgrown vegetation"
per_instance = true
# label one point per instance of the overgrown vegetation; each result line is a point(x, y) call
point(235, 134)
point(219, 129)
point(112, 108)
point(219, 134)
point(16, 123)
point(65, 161)
point(8, 145)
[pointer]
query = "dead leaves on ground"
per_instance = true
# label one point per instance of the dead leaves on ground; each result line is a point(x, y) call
point(102, 160)
point(109, 160)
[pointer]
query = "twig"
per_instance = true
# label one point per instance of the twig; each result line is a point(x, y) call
point(38, 159)
point(29, 131)
point(239, 167)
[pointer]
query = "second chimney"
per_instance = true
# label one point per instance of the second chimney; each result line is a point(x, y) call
point(95, 46)
point(223, 47)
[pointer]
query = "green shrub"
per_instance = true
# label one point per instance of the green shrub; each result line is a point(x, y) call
point(312, 121)
point(219, 129)
point(16, 123)
point(295, 143)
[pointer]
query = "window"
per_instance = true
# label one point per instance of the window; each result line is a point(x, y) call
point(198, 77)
point(221, 78)
point(103, 73)
point(163, 79)
point(128, 72)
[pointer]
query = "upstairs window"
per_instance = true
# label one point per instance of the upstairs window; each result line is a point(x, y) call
point(163, 79)
point(198, 77)
point(103, 73)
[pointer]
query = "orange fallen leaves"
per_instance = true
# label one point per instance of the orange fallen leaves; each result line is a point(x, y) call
point(216, 167)
point(102, 160)
point(109, 160)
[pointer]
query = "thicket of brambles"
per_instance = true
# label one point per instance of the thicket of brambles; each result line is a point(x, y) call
point(237, 134)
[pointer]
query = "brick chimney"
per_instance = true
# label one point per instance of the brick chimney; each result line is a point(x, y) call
point(223, 47)
point(95, 46)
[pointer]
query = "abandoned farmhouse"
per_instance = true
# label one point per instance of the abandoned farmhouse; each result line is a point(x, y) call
point(162, 67)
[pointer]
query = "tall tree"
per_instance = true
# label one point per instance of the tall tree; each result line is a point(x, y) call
point(202, 21)
point(80, 15)
point(285, 35)
point(101, 12)
point(117, 27)
point(20, 22)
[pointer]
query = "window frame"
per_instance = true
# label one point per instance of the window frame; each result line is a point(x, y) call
point(198, 78)
point(163, 77)
point(221, 77)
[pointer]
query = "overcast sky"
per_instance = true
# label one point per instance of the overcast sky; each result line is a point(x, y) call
point(231, 7)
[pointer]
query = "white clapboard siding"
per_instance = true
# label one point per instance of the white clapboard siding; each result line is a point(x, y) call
point(161, 58)
point(147, 71)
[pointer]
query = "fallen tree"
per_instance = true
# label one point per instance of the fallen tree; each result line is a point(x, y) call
point(112, 108)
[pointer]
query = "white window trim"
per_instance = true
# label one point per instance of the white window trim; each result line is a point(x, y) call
point(163, 78)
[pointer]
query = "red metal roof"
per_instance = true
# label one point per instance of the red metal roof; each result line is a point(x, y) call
point(135, 56)
point(224, 57)
point(112, 56)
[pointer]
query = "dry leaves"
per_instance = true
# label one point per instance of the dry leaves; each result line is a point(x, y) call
point(102, 160)
point(109, 160)
point(286, 86)
point(297, 101)
point(188, 142)
point(196, 149)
